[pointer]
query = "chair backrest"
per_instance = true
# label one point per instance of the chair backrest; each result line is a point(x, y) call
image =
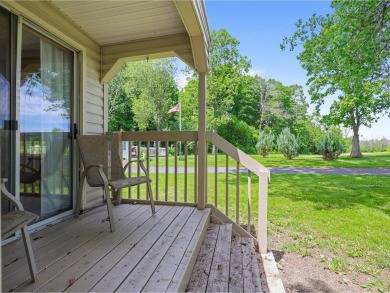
point(100, 150)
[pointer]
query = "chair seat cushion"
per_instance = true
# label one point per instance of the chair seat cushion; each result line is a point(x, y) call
point(15, 220)
point(126, 182)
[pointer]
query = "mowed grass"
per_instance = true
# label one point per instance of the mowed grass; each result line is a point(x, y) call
point(347, 217)
point(369, 160)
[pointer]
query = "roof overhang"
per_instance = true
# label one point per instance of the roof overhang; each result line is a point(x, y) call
point(137, 30)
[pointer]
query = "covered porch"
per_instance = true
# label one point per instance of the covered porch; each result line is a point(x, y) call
point(173, 251)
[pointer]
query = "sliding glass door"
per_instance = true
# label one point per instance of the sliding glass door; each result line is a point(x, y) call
point(46, 94)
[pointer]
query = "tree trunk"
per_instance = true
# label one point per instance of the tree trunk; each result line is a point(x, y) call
point(355, 152)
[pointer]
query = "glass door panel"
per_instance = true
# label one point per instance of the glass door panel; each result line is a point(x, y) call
point(46, 94)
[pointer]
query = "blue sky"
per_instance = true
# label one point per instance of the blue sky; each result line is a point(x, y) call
point(260, 27)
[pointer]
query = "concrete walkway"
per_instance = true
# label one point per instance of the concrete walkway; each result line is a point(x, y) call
point(332, 171)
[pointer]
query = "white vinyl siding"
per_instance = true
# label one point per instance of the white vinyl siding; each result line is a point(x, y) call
point(91, 98)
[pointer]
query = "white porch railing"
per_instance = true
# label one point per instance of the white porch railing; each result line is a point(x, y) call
point(175, 175)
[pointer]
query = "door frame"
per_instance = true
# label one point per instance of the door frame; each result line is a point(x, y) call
point(76, 105)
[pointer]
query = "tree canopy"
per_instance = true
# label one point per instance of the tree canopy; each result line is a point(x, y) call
point(347, 54)
point(238, 104)
point(141, 95)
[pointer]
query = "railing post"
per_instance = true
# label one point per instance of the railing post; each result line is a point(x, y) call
point(262, 215)
point(202, 147)
point(118, 137)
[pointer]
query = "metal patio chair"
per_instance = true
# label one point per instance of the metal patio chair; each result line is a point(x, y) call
point(15, 220)
point(103, 168)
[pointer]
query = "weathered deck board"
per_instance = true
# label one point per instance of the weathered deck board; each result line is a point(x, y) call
point(106, 263)
point(65, 241)
point(81, 265)
point(226, 264)
point(128, 261)
point(201, 271)
point(168, 266)
point(251, 272)
point(236, 281)
point(63, 254)
point(136, 280)
point(153, 252)
point(183, 272)
point(219, 274)
point(51, 233)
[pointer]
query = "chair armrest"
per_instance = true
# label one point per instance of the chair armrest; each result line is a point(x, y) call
point(34, 170)
point(140, 162)
point(9, 196)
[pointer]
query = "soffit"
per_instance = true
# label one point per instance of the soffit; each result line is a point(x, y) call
point(109, 22)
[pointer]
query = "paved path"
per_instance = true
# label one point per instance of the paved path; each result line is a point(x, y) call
point(291, 170)
point(332, 171)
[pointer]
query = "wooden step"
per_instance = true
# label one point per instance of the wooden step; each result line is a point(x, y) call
point(225, 263)
point(244, 277)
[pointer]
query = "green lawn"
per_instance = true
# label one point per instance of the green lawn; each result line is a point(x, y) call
point(369, 160)
point(347, 217)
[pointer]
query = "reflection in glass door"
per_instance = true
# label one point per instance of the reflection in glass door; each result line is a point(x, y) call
point(46, 93)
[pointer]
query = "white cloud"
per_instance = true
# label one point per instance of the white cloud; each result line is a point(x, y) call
point(182, 80)
point(259, 72)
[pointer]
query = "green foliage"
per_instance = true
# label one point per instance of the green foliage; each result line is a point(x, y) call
point(189, 105)
point(120, 108)
point(265, 143)
point(347, 54)
point(309, 135)
point(228, 68)
point(239, 134)
point(375, 145)
point(141, 94)
point(331, 145)
point(288, 144)
point(253, 100)
point(388, 149)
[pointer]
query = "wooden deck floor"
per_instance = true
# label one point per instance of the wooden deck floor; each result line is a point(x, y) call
point(145, 253)
point(226, 263)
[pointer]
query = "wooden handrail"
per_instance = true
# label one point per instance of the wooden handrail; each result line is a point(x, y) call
point(160, 136)
point(222, 145)
point(238, 155)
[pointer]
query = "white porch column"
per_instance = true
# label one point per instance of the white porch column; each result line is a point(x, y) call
point(202, 147)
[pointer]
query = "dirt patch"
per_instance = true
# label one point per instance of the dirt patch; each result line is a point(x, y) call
point(307, 273)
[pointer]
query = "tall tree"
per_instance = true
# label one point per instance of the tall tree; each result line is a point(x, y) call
point(120, 110)
point(141, 94)
point(347, 54)
point(228, 67)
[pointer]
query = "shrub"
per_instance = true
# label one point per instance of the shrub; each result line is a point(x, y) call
point(331, 145)
point(265, 143)
point(239, 134)
point(288, 144)
point(388, 149)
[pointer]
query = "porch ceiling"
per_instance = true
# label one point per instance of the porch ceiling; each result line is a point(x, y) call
point(110, 22)
point(136, 30)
